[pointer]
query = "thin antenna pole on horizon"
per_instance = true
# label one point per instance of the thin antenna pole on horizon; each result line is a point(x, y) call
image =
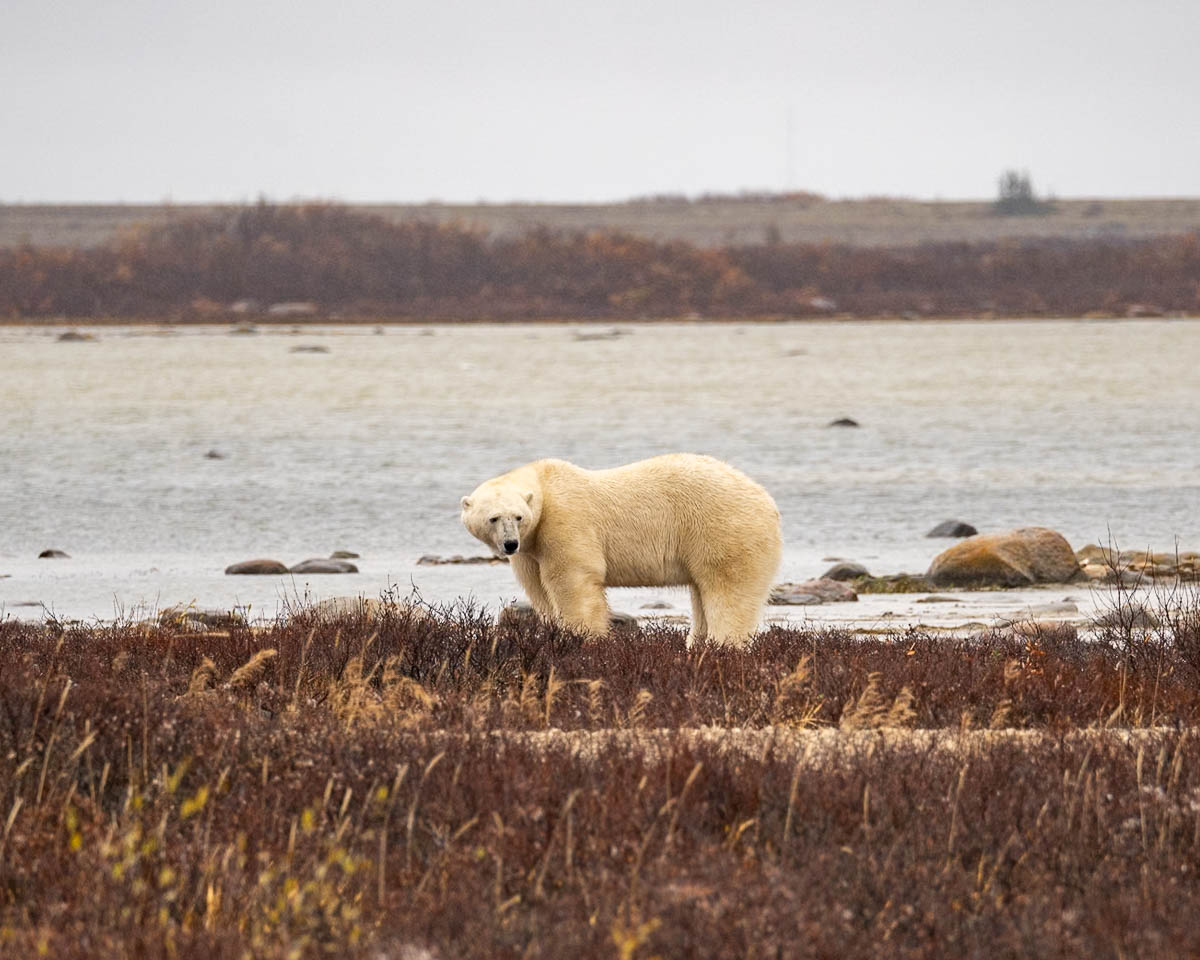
point(789, 152)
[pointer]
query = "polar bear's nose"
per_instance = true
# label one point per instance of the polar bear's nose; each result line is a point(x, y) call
point(510, 546)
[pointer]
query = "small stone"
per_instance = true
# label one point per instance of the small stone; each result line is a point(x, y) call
point(214, 455)
point(656, 605)
point(1128, 615)
point(952, 528)
point(433, 560)
point(343, 555)
point(843, 422)
point(309, 348)
point(324, 565)
point(935, 598)
point(53, 555)
point(74, 336)
point(260, 567)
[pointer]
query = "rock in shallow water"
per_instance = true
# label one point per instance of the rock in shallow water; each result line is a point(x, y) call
point(260, 567)
point(845, 571)
point(53, 555)
point(1015, 558)
point(952, 528)
point(324, 565)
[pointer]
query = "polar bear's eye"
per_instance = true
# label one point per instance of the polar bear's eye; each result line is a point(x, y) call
point(518, 519)
point(494, 520)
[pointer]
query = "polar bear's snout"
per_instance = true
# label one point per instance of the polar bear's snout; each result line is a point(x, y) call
point(508, 536)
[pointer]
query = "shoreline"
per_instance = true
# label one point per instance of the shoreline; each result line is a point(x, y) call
point(566, 321)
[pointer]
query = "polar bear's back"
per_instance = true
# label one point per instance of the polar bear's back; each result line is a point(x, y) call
point(668, 519)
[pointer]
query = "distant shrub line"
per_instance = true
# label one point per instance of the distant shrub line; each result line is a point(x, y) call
point(357, 264)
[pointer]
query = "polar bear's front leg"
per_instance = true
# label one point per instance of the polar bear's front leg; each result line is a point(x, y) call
point(699, 625)
point(529, 576)
point(578, 597)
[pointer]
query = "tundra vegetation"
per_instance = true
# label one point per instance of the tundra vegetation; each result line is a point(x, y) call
point(425, 783)
point(322, 260)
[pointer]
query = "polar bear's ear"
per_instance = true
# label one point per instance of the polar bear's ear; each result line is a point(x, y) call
point(465, 502)
point(529, 497)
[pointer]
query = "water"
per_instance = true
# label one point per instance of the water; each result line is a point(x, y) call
point(1081, 426)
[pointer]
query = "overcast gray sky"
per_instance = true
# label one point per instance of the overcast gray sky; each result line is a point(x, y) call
point(362, 100)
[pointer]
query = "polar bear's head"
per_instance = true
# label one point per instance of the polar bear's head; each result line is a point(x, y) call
point(501, 515)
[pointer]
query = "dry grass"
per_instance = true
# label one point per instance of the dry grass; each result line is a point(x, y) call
point(386, 787)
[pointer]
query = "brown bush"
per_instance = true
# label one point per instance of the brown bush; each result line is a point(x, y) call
point(385, 787)
point(355, 262)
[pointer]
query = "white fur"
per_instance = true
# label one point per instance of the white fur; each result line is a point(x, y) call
point(678, 519)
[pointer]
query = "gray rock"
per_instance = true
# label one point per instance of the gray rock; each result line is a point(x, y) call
point(522, 612)
point(309, 348)
point(53, 555)
point(1128, 615)
point(843, 422)
point(193, 618)
point(74, 336)
point(610, 334)
point(260, 567)
point(787, 598)
point(825, 591)
point(343, 555)
point(214, 455)
point(845, 571)
point(656, 605)
point(433, 560)
point(952, 528)
point(1051, 609)
point(324, 565)
point(299, 308)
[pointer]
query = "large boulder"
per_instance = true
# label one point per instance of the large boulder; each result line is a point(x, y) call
point(260, 567)
point(1015, 558)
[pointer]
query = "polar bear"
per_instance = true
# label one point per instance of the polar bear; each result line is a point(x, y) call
point(676, 519)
